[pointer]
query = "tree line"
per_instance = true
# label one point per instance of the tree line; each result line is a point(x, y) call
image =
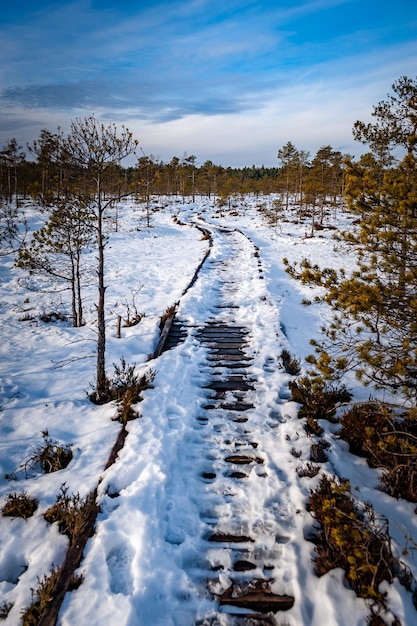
point(39, 172)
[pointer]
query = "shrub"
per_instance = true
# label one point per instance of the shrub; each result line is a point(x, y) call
point(125, 410)
point(126, 388)
point(400, 481)
point(312, 426)
point(291, 363)
point(134, 320)
point(362, 425)
point(124, 376)
point(5, 609)
point(351, 538)
point(71, 512)
point(386, 439)
point(133, 316)
point(318, 451)
point(53, 316)
point(40, 598)
point(318, 399)
point(50, 456)
point(19, 505)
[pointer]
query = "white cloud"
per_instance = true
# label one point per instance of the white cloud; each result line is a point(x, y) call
point(233, 100)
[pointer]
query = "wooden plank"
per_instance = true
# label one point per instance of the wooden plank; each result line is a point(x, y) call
point(255, 598)
point(226, 351)
point(221, 338)
point(164, 336)
point(225, 328)
point(229, 386)
point(237, 406)
point(240, 459)
point(221, 537)
point(230, 357)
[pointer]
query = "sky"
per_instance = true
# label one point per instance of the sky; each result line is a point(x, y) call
point(225, 80)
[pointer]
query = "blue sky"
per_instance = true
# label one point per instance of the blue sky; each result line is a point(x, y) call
point(226, 80)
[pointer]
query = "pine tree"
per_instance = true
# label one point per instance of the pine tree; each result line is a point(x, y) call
point(48, 152)
point(327, 173)
point(302, 165)
point(92, 148)
point(395, 123)
point(12, 156)
point(9, 220)
point(55, 251)
point(289, 157)
point(374, 330)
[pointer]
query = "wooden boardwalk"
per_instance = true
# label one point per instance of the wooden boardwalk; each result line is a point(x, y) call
point(232, 551)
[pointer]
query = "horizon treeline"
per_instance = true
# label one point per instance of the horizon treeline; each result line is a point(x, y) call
point(296, 174)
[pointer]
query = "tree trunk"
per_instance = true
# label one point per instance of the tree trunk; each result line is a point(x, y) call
point(78, 287)
point(9, 183)
point(101, 390)
point(73, 295)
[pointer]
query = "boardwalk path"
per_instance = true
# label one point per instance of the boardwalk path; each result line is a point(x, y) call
point(244, 525)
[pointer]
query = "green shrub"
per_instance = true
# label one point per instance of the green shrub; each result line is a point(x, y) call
point(351, 538)
point(318, 399)
point(125, 387)
point(125, 410)
point(386, 439)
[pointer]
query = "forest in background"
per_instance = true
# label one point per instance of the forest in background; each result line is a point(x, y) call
point(41, 170)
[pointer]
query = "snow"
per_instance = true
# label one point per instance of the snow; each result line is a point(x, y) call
point(144, 564)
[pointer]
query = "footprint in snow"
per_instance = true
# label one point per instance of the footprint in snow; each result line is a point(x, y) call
point(119, 562)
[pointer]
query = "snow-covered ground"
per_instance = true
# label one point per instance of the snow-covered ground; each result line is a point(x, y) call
point(140, 566)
